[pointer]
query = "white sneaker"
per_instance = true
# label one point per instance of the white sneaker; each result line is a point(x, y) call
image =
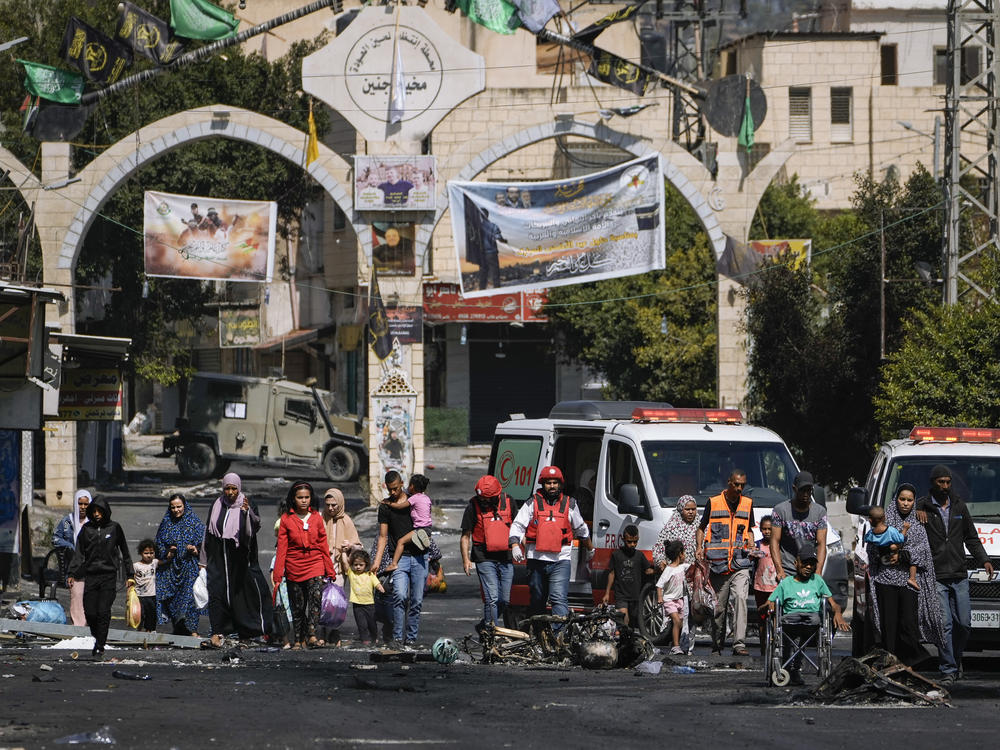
point(676, 651)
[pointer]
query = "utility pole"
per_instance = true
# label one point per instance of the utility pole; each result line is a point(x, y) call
point(971, 119)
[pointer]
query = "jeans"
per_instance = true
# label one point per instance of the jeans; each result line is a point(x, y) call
point(408, 582)
point(549, 581)
point(495, 579)
point(956, 616)
point(735, 586)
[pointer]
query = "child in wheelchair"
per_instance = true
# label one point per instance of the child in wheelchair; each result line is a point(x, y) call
point(801, 600)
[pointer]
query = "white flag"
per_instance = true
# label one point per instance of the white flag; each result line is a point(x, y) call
point(397, 97)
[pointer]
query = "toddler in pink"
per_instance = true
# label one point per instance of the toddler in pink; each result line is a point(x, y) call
point(420, 514)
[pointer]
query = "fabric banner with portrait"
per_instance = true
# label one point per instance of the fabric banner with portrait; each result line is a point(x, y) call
point(394, 418)
point(393, 248)
point(740, 259)
point(194, 237)
point(395, 183)
point(533, 235)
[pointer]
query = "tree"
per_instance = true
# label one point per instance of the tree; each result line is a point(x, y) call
point(148, 311)
point(616, 326)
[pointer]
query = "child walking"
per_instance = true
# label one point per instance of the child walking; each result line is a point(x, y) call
point(364, 583)
point(420, 513)
point(627, 568)
point(763, 574)
point(100, 549)
point(145, 583)
point(670, 589)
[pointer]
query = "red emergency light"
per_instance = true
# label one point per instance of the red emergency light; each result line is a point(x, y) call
point(955, 434)
point(728, 416)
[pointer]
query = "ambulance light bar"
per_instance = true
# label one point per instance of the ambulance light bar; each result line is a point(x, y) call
point(727, 416)
point(955, 434)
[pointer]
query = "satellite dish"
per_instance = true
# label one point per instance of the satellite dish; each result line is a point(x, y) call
point(723, 107)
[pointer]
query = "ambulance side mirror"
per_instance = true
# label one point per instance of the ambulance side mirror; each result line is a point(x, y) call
point(629, 502)
point(857, 501)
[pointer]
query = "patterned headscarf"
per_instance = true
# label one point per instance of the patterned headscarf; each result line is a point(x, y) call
point(677, 529)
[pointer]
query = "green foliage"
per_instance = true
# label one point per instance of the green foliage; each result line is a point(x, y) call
point(213, 167)
point(622, 337)
point(445, 426)
point(784, 213)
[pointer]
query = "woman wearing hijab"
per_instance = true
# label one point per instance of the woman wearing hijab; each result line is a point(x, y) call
point(900, 615)
point(239, 599)
point(341, 535)
point(303, 559)
point(64, 538)
point(680, 527)
point(178, 543)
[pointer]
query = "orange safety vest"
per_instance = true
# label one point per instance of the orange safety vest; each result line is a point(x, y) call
point(550, 529)
point(492, 527)
point(729, 535)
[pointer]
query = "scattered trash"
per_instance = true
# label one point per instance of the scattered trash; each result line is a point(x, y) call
point(878, 676)
point(650, 667)
point(248, 682)
point(77, 643)
point(121, 674)
point(102, 736)
point(8, 675)
point(267, 649)
point(44, 678)
point(45, 668)
point(353, 666)
point(233, 655)
point(444, 650)
point(683, 669)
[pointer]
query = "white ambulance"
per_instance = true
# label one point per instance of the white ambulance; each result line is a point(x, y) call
point(973, 455)
point(629, 462)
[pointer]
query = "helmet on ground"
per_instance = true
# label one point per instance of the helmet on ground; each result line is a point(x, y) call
point(550, 472)
point(444, 650)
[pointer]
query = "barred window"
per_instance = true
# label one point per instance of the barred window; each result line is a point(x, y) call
point(841, 115)
point(800, 114)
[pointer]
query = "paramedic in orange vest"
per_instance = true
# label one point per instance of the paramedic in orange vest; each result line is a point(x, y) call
point(547, 523)
point(728, 518)
point(486, 544)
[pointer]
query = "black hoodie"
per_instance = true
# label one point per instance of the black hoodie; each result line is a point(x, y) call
point(101, 546)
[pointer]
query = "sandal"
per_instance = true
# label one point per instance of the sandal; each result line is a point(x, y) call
point(209, 645)
point(313, 643)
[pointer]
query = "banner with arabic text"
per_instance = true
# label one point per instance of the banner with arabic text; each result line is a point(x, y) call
point(530, 235)
point(193, 237)
point(90, 395)
point(239, 326)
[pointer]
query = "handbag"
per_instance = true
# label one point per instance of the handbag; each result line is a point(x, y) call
point(200, 589)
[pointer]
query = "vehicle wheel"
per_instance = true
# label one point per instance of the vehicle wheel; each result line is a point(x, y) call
point(652, 622)
point(221, 467)
point(340, 464)
point(196, 461)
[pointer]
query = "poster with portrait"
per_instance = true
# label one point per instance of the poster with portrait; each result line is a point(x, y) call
point(193, 237)
point(394, 418)
point(534, 235)
point(741, 259)
point(393, 248)
point(395, 183)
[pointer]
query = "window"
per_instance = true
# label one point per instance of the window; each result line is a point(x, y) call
point(971, 60)
point(234, 410)
point(974, 477)
point(623, 471)
point(731, 62)
point(300, 411)
point(841, 115)
point(339, 219)
point(890, 72)
point(800, 114)
point(577, 453)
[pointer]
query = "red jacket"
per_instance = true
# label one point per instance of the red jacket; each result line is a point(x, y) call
point(302, 553)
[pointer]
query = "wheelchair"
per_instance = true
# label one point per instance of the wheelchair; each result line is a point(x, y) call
point(816, 648)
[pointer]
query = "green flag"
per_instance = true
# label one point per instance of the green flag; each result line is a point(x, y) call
point(496, 15)
point(745, 138)
point(199, 19)
point(52, 83)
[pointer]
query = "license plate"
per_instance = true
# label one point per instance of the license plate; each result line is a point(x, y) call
point(985, 619)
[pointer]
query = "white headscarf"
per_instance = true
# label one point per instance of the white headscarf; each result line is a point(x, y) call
point(75, 515)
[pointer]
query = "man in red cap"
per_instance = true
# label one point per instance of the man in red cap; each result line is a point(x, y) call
point(548, 522)
point(486, 544)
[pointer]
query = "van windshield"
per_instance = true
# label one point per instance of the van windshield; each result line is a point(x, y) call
point(975, 479)
point(702, 469)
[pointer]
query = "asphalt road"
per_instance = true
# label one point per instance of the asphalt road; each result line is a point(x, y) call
point(340, 698)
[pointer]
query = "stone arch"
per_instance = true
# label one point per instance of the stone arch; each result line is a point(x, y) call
point(22, 178)
point(107, 172)
point(678, 166)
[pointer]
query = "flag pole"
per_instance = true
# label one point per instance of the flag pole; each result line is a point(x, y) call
point(392, 68)
point(209, 49)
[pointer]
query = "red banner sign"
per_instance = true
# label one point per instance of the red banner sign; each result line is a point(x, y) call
point(443, 302)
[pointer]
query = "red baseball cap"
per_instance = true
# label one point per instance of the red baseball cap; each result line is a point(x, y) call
point(488, 486)
point(550, 472)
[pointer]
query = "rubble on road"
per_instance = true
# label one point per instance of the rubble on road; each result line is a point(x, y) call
point(878, 676)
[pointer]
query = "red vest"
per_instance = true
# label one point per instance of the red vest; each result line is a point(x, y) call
point(492, 527)
point(550, 527)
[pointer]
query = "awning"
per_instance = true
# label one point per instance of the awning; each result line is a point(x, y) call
point(104, 345)
point(294, 339)
point(15, 293)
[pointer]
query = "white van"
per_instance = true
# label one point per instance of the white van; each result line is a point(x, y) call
point(628, 462)
point(973, 455)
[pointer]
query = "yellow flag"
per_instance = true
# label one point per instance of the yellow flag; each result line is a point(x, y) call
point(312, 148)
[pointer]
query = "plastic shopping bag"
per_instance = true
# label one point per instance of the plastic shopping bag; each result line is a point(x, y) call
point(200, 589)
point(333, 610)
point(45, 610)
point(133, 609)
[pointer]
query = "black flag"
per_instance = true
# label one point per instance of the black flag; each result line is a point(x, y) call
point(378, 321)
point(99, 57)
point(147, 35)
point(619, 72)
point(58, 122)
point(590, 33)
